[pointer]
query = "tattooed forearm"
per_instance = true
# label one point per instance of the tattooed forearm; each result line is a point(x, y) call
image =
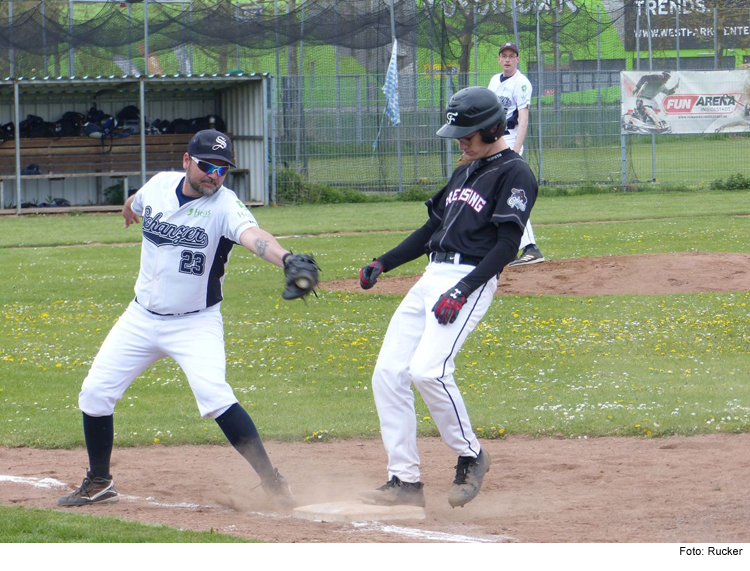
point(261, 246)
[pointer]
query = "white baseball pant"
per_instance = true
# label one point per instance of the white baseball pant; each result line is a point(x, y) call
point(140, 338)
point(418, 349)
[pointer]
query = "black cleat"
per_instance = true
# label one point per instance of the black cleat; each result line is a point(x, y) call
point(469, 475)
point(531, 255)
point(395, 493)
point(278, 488)
point(93, 490)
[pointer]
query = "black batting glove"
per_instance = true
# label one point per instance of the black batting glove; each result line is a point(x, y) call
point(448, 305)
point(368, 275)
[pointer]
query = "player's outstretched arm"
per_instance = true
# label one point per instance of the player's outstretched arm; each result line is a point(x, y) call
point(263, 245)
point(127, 212)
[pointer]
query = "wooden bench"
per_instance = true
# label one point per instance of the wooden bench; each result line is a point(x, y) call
point(85, 156)
point(78, 157)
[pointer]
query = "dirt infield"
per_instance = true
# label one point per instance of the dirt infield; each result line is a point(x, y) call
point(692, 490)
point(678, 489)
point(648, 274)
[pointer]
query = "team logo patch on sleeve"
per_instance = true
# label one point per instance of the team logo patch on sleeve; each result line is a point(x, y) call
point(518, 199)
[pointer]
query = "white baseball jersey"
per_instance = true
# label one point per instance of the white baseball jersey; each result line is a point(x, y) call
point(185, 248)
point(184, 253)
point(514, 93)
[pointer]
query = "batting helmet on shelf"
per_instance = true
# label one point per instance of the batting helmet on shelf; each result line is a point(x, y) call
point(474, 109)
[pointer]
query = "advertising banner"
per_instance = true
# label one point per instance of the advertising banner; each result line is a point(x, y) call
point(678, 102)
point(696, 24)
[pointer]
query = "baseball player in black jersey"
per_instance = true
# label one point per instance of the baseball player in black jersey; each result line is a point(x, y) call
point(473, 230)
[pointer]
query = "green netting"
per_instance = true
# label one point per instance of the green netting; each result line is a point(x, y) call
point(328, 59)
point(38, 36)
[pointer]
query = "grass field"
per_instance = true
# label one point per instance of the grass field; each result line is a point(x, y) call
point(687, 207)
point(540, 365)
point(18, 525)
point(689, 162)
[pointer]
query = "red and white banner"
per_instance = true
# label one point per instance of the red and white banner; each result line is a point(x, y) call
point(662, 102)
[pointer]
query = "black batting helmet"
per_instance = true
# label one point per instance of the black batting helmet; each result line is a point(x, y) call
point(474, 109)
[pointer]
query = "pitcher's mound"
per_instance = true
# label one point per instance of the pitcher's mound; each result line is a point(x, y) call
point(356, 511)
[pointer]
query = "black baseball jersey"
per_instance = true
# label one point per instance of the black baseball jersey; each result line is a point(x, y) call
point(478, 197)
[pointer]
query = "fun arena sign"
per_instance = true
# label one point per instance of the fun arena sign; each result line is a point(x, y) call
point(663, 102)
point(701, 104)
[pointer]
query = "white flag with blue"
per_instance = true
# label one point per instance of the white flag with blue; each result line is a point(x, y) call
point(390, 89)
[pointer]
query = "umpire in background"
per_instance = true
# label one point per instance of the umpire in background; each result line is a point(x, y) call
point(472, 232)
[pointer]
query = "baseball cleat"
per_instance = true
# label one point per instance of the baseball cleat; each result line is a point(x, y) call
point(278, 488)
point(469, 475)
point(530, 255)
point(93, 490)
point(395, 493)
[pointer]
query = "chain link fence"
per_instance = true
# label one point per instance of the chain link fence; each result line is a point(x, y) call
point(328, 60)
point(336, 134)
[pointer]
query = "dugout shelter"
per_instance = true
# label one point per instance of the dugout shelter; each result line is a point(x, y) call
point(77, 169)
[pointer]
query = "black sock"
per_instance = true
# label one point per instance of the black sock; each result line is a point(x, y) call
point(240, 430)
point(99, 432)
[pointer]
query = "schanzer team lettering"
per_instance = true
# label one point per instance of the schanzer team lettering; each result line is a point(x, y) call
point(164, 233)
point(190, 244)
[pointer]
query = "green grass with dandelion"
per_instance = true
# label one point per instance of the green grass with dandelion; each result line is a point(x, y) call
point(604, 365)
point(643, 366)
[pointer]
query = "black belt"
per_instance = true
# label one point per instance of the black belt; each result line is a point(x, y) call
point(453, 258)
point(165, 314)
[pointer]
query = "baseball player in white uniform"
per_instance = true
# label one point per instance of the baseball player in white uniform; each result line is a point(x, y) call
point(473, 230)
point(514, 90)
point(191, 221)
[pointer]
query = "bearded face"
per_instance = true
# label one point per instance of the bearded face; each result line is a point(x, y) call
point(205, 184)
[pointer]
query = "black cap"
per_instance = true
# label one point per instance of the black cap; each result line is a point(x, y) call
point(211, 145)
point(508, 46)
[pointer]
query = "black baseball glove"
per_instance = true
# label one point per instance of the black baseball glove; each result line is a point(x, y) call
point(300, 275)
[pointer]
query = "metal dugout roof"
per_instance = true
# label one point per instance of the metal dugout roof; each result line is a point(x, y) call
point(240, 100)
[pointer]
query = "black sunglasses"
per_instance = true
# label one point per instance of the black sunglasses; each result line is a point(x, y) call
point(209, 168)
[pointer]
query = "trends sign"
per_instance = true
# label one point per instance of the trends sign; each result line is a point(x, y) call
point(696, 26)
